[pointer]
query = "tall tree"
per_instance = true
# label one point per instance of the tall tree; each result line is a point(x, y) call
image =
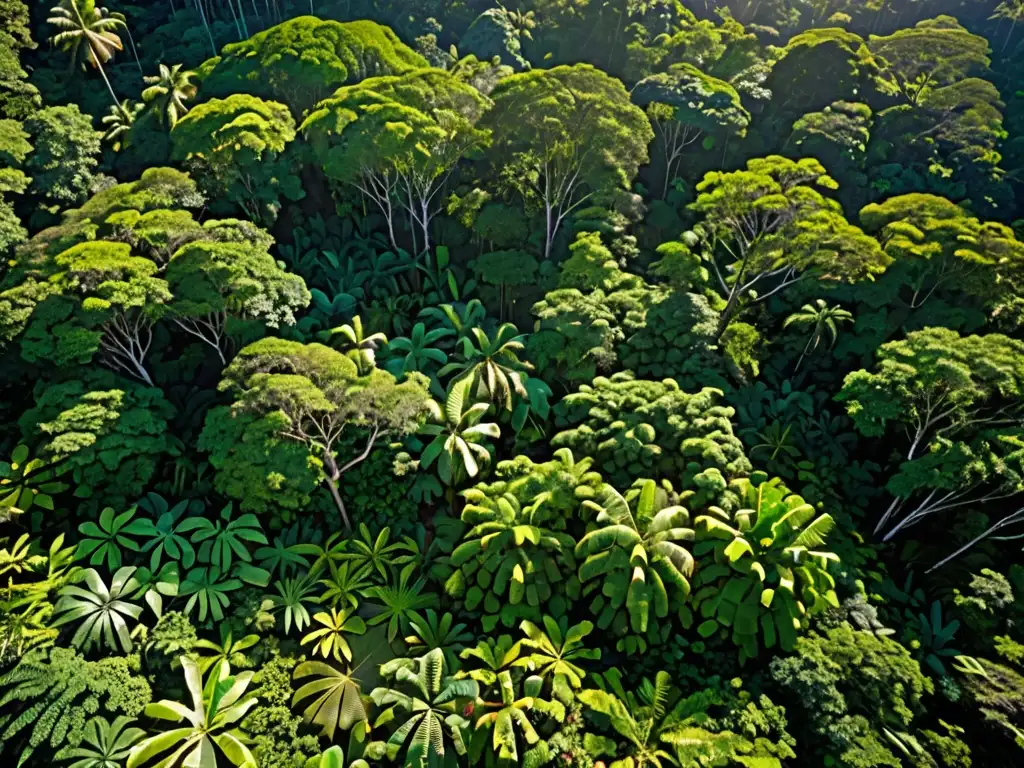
point(305, 59)
point(397, 140)
point(1012, 10)
point(685, 105)
point(566, 137)
point(87, 32)
point(238, 149)
point(213, 282)
point(933, 53)
point(314, 395)
point(770, 226)
point(956, 402)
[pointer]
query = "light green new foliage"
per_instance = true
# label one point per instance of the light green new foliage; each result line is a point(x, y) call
point(304, 59)
point(105, 744)
point(329, 639)
point(215, 281)
point(104, 611)
point(237, 145)
point(763, 574)
point(635, 428)
point(563, 136)
point(398, 133)
point(553, 651)
point(806, 233)
point(511, 564)
point(433, 734)
point(637, 558)
point(102, 302)
point(211, 723)
point(314, 395)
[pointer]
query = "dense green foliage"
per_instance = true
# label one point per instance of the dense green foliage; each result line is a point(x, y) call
point(471, 384)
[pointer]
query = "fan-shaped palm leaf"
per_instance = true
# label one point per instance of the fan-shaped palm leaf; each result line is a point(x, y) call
point(335, 700)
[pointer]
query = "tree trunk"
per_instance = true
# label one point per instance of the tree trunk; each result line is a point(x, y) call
point(332, 485)
point(110, 88)
point(548, 234)
point(1013, 517)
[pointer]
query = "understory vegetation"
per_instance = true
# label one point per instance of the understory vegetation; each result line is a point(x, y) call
point(458, 384)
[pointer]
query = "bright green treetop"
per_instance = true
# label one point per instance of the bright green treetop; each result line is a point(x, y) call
point(565, 136)
point(212, 281)
point(397, 140)
point(933, 53)
point(304, 59)
point(773, 226)
point(237, 145)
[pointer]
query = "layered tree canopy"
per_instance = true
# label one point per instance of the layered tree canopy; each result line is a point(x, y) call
point(534, 383)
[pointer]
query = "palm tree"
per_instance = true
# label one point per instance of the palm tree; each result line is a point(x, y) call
point(457, 435)
point(434, 702)
point(521, 23)
point(357, 346)
point(168, 92)
point(1012, 10)
point(494, 365)
point(212, 721)
point(119, 121)
point(87, 33)
point(821, 318)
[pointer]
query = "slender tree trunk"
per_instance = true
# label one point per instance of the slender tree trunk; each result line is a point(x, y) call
point(107, 81)
point(135, 53)
point(548, 234)
point(206, 25)
point(332, 485)
point(1013, 517)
